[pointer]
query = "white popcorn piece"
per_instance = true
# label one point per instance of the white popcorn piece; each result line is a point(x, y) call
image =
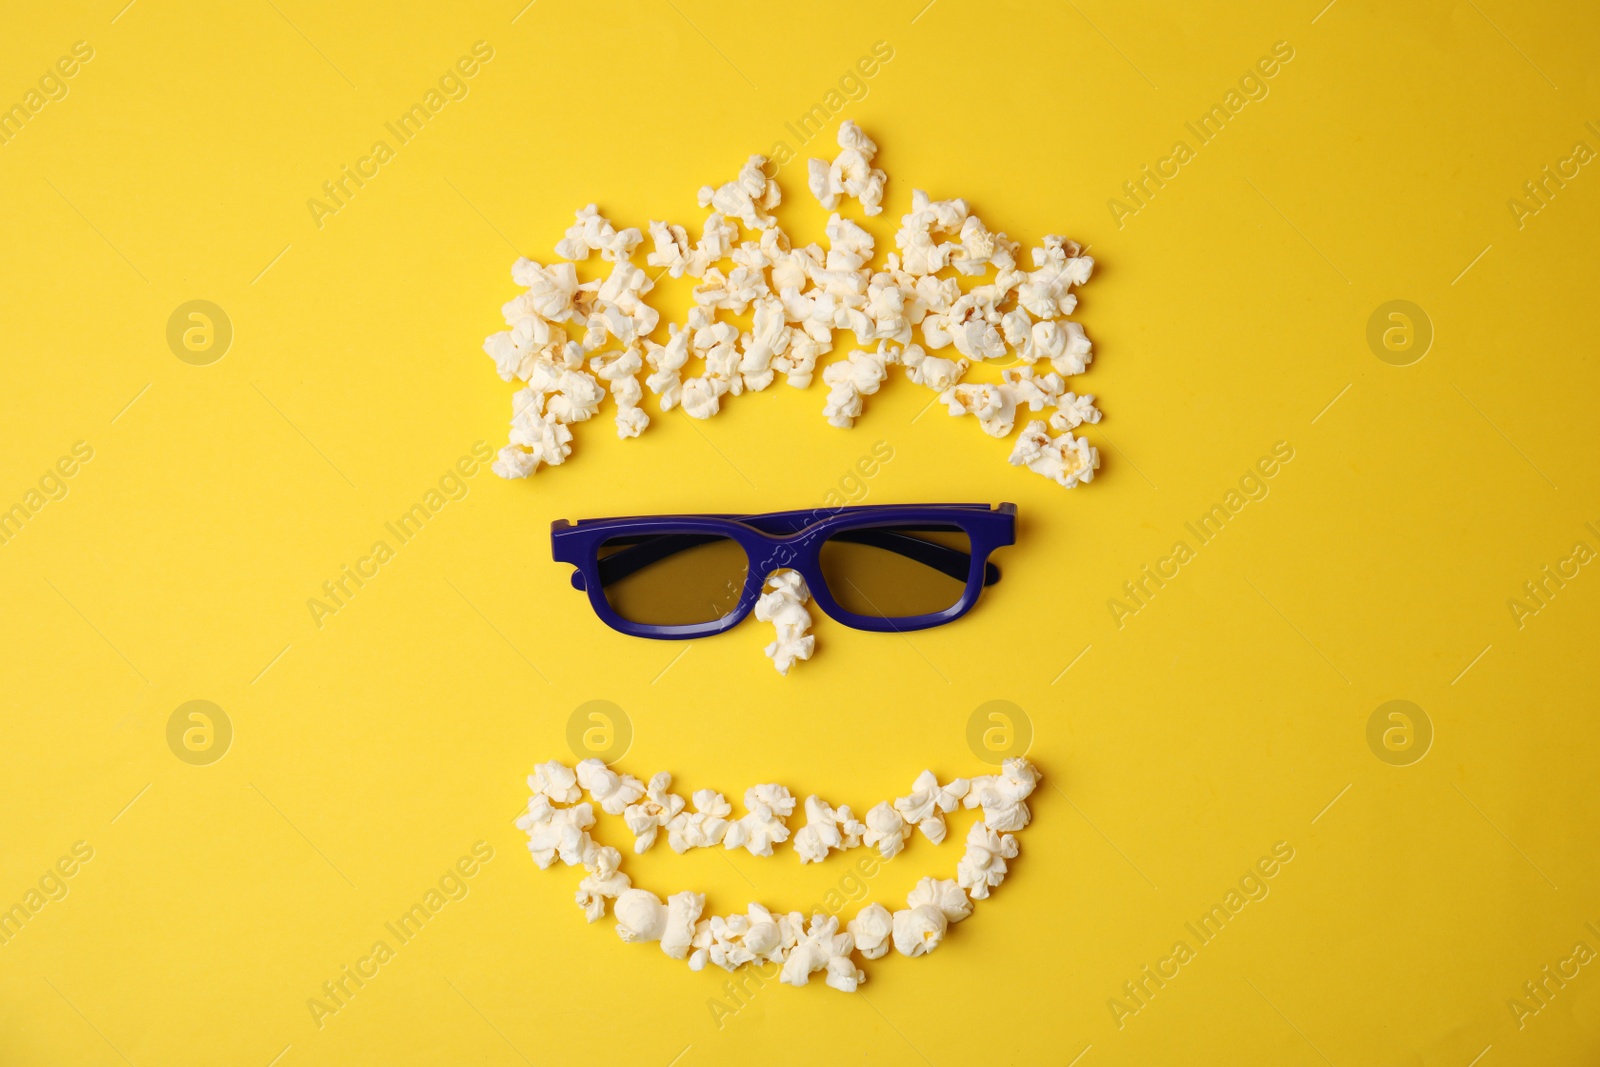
point(918, 930)
point(1002, 796)
point(1066, 460)
point(701, 397)
point(717, 239)
point(604, 881)
point(557, 394)
point(666, 366)
point(557, 781)
point(995, 406)
point(783, 603)
point(550, 290)
point(593, 232)
point(843, 974)
point(886, 831)
point(983, 864)
point(1073, 411)
point(826, 828)
point(934, 372)
point(672, 248)
point(798, 361)
point(749, 197)
point(1033, 390)
point(919, 253)
point(978, 249)
point(849, 246)
point(822, 944)
point(850, 174)
point(556, 832)
point(848, 380)
point(768, 338)
point(683, 911)
point(514, 462)
point(925, 808)
point(1046, 292)
point(655, 810)
point(618, 370)
point(734, 941)
point(941, 893)
point(872, 928)
point(640, 915)
point(762, 825)
point(702, 828)
point(612, 791)
point(1062, 342)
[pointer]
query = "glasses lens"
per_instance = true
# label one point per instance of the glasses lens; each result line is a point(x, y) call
point(895, 572)
point(672, 579)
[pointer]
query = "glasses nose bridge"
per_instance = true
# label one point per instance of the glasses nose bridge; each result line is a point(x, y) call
point(779, 552)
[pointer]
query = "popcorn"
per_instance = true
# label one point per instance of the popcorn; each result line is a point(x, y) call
point(762, 826)
point(747, 197)
point(817, 951)
point(826, 828)
point(734, 941)
point(983, 864)
point(702, 828)
point(919, 253)
point(593, 232)
point(928, 802)
point(717, 238)
point(655, 810)
point(844, 975)
point(514, 462)
point(872, 928)
point(683, 911)
point(618, 369)
point(802, 948)
point(1063, 343)
point(672, 248)
point(769, 337)
point(978, 249)
point(850, 174)
point(944, 894)
point(1067, 460)
point(555, 780)
point(852, 378)
point(666, 364)
point(994, 405)
point(640, 915)
point(798, 362)
point(550, 289)
point(782, 603)
point(556, 832)
point(935, 372)
point(1073, 410)
point(949, 276)
point(1001, 795)
point(701, 397)
point(918, 930)
point(1030, 389)
point(604, 882)
point(886, 831)
point(612, 791)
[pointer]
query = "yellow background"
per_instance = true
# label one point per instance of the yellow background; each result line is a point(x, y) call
point(1229, 714)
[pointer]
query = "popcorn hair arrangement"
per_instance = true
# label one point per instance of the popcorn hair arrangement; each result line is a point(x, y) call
point(571, 344)
point(557, 826)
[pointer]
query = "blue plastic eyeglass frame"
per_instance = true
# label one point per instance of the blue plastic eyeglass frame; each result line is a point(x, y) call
point(793, 539)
